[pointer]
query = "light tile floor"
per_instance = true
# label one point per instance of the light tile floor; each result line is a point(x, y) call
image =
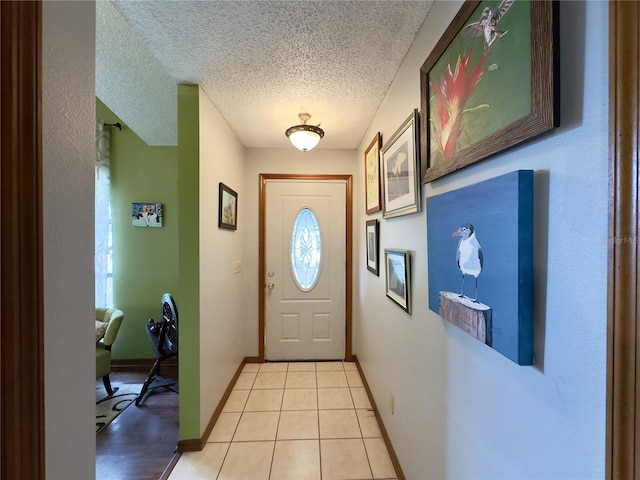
point(299, 421)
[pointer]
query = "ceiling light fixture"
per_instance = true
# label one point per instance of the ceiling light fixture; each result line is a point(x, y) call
point(304, 137)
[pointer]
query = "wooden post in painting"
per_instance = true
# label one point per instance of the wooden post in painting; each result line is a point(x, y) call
point(474, 318)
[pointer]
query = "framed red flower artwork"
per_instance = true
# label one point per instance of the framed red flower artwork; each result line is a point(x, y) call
point(490, 83)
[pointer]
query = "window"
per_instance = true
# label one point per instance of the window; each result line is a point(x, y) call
point(110, 263)
point(306, 250)
point(103, 227)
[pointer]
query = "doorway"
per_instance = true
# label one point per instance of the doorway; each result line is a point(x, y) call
point(309, 318)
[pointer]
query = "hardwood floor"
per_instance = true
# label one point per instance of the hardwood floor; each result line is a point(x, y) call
point(141, 441)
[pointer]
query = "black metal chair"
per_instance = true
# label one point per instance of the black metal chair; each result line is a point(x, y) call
point(164, 339)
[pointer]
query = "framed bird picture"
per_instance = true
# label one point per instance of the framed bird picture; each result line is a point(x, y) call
point(480, 261)
point(491, 82)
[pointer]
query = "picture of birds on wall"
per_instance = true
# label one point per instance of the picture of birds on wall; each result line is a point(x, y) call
point(487, 26)
point(480, 261)
point(481, 83)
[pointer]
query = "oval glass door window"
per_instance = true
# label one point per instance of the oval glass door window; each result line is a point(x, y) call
point(306, 250)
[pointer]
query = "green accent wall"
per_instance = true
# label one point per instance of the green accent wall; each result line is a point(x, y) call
point(188, 253)
point(145, 260)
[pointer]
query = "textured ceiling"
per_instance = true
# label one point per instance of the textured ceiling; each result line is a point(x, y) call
point(131, 81)
point(263, 62)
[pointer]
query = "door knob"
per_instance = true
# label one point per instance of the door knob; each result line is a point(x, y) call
point(270, 285)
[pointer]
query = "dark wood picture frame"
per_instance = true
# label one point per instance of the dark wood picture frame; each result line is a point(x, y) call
point(227, 208)
point(507, 123)
point(372, 189)
point(372, 237)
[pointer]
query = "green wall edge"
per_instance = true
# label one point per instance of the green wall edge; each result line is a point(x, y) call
point(188, 297)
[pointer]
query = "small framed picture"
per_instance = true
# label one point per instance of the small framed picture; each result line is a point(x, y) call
point(398, 277)
point(372, 175)
point(401, 170)
point(372, 234)
point(227, 208)
point(147, 214)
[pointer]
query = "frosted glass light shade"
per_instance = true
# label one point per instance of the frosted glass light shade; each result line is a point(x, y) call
point(304, 137)
point(304, 140)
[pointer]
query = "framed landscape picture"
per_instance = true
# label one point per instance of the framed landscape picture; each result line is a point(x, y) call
point(401, 170)
point(491, 82)
point(398, 277)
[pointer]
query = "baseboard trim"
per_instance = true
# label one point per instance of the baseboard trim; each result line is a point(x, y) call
point(223, 400)
point(197, 444)
point(383, 430)
point(191, 445)
point(170, 466)
point(139, 364)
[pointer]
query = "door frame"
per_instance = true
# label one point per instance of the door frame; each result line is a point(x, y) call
point(621, 448)
point(262, 206)
point(623, 332)
point(22, 425)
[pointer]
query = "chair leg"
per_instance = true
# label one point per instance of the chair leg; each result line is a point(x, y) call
point(107, 385)
point(145, 386)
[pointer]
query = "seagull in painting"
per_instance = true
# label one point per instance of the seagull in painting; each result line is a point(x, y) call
point(487, 26)
point(469, 254)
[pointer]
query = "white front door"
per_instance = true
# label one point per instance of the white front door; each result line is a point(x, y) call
point(305, 262)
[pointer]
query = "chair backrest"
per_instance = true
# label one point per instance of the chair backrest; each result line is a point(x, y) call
point(114, 317)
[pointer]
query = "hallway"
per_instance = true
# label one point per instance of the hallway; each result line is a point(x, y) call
point(293, 421)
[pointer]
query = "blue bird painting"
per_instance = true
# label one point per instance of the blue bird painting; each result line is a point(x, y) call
point(491, 220)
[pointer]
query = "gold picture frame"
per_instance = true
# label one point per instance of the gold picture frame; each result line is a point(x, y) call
point(372, 189)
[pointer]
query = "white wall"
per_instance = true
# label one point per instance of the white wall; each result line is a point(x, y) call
point(221, 290)
point(462, 410)
point(68, 108)
point(289, 160)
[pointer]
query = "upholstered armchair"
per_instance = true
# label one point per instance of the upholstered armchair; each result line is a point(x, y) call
point(108, 321)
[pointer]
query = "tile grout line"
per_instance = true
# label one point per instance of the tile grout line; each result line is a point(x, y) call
point(234, 433)
point(236, 428)
point(275, 439)
point(318, 415)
